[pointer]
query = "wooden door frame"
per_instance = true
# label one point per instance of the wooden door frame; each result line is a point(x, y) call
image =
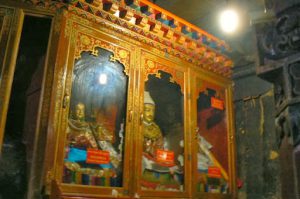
point(8, 67)
point(9, 63)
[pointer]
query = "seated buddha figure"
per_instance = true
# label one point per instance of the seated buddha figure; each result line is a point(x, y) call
point(79, 132)
point(82, 136)
point(156, 174)
point(153, 138)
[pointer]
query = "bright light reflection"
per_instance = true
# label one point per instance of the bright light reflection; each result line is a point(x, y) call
point(117, 13)
point(132, 20)
point(103, 78)
point(229, 21)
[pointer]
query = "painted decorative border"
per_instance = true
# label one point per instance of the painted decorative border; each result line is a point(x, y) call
point(178, 38)
point(85, 42)
point(153, 67)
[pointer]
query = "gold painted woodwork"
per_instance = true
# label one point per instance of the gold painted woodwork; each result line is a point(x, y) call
point(72, 33)
point(184, 53)
point(200, 82)
point(168, 65)
point(85, 42)
point(10, 34)
point(152, 67)
point(79, 39)
point(179, 42)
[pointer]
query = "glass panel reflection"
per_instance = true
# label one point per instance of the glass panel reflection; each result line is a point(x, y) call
point(212, 141)
point(96, 124)
point(163, 152)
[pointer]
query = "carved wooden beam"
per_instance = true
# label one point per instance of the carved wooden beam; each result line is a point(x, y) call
point(175, 35)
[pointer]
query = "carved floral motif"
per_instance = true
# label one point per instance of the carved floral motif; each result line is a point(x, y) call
point(85, 42)
point(280, 38)
point(153, 67)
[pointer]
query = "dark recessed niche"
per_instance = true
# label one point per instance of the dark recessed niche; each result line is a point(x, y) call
point(22, 113)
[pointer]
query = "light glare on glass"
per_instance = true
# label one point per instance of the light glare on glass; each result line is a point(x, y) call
point(117, 13)
point(132, 20)
point(103, 78)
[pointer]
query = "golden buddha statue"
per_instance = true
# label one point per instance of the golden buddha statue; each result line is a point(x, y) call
point(79, 133)
point(81, 136)
point(156, 174)
point(153, 138)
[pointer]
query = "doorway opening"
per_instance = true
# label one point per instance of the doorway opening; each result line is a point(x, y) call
point(23, 110)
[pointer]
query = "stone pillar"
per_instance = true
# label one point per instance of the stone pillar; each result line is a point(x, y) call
point(257, 151)
point(278, 43)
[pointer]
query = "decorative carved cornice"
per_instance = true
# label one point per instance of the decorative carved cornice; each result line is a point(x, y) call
point(48, 4)
point(178, 25)
point(154, 25)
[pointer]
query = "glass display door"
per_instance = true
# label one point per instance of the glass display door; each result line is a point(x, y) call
point(96, 122)
point(162, 149)
point(94, 147)
point(212, 140)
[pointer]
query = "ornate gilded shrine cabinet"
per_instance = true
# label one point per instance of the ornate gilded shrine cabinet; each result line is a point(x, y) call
point(141, 105)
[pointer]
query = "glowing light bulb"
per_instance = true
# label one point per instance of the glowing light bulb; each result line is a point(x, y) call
point(229, 21)
point(103, 78)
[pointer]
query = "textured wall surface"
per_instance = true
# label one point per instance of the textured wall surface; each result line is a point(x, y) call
point(257, 148)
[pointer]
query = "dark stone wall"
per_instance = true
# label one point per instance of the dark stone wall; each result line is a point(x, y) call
point(257, 148)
